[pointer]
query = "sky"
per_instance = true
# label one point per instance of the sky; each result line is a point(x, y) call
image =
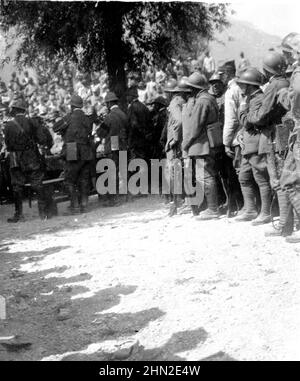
point(274, 17)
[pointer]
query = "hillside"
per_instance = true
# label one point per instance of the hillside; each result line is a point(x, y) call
point(243, 36)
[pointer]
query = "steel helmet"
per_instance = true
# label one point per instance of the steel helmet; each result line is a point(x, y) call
point(182, 86)
point(110, 97)
point(274, 63)
point(286, 42)
point(251, 76)
point(170, 85)
point(197, 80)
point(76, 101)
point(295, 43)
point(216, 77)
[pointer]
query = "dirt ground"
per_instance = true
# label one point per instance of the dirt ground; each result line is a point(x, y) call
point(129, 283)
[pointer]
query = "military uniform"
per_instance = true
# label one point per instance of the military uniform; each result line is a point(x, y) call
point(253, 165)
point(290, 176)
point(114, 130)
point(76, 129)
point(268, 119)
point(173, 147)
point(21, 138)
point(140, 128)
point(199, 113)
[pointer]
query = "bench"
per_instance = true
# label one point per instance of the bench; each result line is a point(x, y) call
point(45, 183)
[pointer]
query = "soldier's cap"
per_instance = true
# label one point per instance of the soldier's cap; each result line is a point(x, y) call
point(76, 101)
point(18, 104)
point(111, 97)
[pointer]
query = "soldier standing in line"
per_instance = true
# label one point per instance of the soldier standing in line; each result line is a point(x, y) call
point(114, 130)
point(202, 138)
point(253, 166)
point(75, 129)
point(140, 127)
point(22, 137)
point(267, 117)
point(290, 99)
point(174, 139)
point(159, 120)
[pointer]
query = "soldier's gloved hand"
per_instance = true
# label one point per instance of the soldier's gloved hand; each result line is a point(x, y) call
point(229, 152)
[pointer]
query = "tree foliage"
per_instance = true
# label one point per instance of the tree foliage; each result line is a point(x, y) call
point(109, 34)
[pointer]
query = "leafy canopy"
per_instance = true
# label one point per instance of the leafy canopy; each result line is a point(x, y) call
point(81, 31)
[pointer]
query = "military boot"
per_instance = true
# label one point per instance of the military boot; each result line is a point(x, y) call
point(286, 220)
point(18, 216)
point(74, 205)
point(248, 212)
point(41, 203)
point(294, 198)
point(265, 213)
point(211, 195)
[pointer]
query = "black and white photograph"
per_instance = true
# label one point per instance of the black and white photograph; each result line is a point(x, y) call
point(150, 183)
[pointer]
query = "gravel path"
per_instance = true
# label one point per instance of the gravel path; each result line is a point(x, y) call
point(129, 283)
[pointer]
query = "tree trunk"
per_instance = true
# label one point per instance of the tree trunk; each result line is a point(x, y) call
point(114, 50)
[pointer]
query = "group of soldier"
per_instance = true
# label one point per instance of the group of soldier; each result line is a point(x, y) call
point(239, 131)
point(252, 119)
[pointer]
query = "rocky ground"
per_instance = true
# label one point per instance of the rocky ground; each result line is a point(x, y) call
point(129, 283)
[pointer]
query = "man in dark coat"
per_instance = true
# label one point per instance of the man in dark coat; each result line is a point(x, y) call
point(22, 137)
point(200, 115)
point(159, 120)
point(114, 130)
point(75, 129)
point(140, 127)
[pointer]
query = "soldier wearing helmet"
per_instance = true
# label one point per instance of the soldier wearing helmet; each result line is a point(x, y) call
point(267, 117)
point(199, 121)
point(75, 129)
point(173, 131)
point(253, 166)
point(22, 137)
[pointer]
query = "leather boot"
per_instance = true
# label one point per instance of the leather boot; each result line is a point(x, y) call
point(211, 195)
point(173, 206)
point(249, 212)
point(41, 202)
point(265, 213)
point(286, 220)
point(18, 216)
point(294, 198)
point(74, 205)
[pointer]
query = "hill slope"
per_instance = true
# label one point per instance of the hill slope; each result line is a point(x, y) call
point(243, 36)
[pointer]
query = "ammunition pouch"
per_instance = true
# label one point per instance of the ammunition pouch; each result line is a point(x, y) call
point(71, 151)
